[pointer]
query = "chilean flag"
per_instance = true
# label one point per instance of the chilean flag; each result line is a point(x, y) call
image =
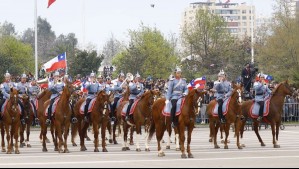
point(83, 87)
point(59, 62)
point(199, 83)
point(50, 2)
point(268, 78)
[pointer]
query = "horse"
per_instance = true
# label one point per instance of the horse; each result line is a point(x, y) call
point(232, 116)
point(186, 119)
point(42, 98)
point(11, 118)
point(61, 121)
point(275, 111)
point(29, 117)
point(141, 116)
point(98, 117)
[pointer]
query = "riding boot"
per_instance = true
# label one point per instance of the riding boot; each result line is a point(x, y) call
point(36, 120)
point(220, 113)
point(261, 111)
point(48, 121)
point(113, 107)
point(74, 120)
point(128, 110)
point(174, 122)
point(86, 119)
point(23, 122)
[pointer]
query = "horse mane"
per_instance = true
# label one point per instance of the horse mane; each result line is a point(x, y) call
point(145, 94)
point(276, 89)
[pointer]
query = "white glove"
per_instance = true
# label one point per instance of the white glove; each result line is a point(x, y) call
point(184, 94)
point(167, 101)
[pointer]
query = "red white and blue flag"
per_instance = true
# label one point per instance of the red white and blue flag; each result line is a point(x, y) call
point(59, 62)
point(268, 78)
point(199, 83)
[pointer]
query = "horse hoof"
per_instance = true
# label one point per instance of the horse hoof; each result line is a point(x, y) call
point(190, 156)
point(56, 149)
point(210, 140)
point(75, 145)
point(110, 141)
point(115, 142)
point(128, 149)
point(17, 152)
point(222, 141)
point(28, 145)
point(45, 150)
point(96, 150)
point(161, 154)
point(147, 150)
point(177, 149)
point(184, 156)
point(163, 141)
point(3, 150)
point(138, 150)
point(124, 149)
point(243, 145)
point(48, 141)
point(167, 147)
point(21, 146)
point(276, 146)
point(240, 147)
point(263, 144)
point(225, 147)
point(83, 149)
point(8, 152)
point(88, 139)
point(216, 147)
point(131, 143)
point(66, 151)
point(228, 141)
point(104, 150)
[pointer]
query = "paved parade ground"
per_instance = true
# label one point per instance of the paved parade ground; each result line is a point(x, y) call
point(253, 155)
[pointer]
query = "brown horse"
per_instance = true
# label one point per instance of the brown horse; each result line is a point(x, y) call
point(98, 117)
point(232, 116)
point(42, 98)
point(29, 116)
point(274, 116)
point(186, 119)
point(61, 120)
point(141, 117)
point(12, 122)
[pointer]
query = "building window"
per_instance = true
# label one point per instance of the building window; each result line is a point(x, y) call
point(243, 11)
point(244, 18)
point(244, 23)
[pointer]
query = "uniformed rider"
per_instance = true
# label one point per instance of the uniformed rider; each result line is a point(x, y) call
point(5, 89)
point(177, 88)
point(117, 89)
point(261, 93)
point(136, 91)
point(92, 87)
point(223, 91)
point(56, 87)
point(22, 87)
point(34, 90)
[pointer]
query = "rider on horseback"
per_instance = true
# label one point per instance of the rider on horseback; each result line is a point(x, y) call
point(177, 88)
point(136, 91)
point(56, 87)
point(223, 91)
point(5, 89)
point(261, 92)
point(33, 92)
point(117, 88)
point(22, 87)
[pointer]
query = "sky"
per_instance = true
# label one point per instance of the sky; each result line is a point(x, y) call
point(106, 17)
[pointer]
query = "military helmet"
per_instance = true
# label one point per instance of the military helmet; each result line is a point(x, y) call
point(261, 75)
point(137, 75)
point(221, 73)
point(92, 74)
point(108, 78)
point(7, 74)
point(24, 76)
point(121, 74)
point(177, 69)
point(100, 76)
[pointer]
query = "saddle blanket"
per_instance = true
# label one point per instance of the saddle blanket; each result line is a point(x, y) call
point(4, 106)
point(119, 101)
point(179, 105)
point(224, 107)
point(54, 106)
point(124, 110)
point(90, 106)
point(254, 110)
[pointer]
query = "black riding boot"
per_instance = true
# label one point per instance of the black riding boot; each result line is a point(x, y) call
point(128, 110)
point(113, 108)
point(74, 120)
point(261, 111)
point(36, 120)
point(48, 121)
point(86, 119)
point(22, 112)
point(220, 113)
point(174, 121)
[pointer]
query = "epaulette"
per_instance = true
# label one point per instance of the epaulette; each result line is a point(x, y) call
point(171, 79)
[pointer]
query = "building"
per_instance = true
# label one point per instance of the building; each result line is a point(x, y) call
point(237, 16)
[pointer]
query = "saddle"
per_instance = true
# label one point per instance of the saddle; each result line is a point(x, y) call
point(179, 105)
point(124, 110)
point(54, 107)
point(255, 107)
point(90, 106)
point(224, 107)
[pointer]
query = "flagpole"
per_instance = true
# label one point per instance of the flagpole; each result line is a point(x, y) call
point(252, 27)
point(65, 63)
point(35, 40)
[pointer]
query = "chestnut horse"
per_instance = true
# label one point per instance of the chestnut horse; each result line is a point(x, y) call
point(98, 117)
point(141, 117)
point(232, 116)
point(275, 112)
point(29, 117)
point(186, 119)
point(42, 98)
point(61, 120)
point(12, 122)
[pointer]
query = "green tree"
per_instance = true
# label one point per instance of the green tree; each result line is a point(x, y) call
point(111, 48)
point(148, 53)
point(7, 29)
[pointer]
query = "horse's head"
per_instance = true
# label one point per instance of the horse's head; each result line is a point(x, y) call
point(283, 89)
point(68, 89)
point(103, 99)
point(149, 96)
point(238, 92)
point(194, 97)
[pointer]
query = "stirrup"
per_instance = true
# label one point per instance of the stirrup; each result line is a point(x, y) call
point(74, 120)
point(36, 120)
point(23, 121)
point(173, 125)
point(259, 118)
point(222, 121)
point(48, 122)
point(127, 118)
point(86, 119)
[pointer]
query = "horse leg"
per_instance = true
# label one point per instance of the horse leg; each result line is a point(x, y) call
point(147, 141)
point(237, 132)
point(160, 129)
point(44, 137)
point(123, 137)
point(138, 135)
point(16, 137)
point(2, 138)
point(113, 132)
point(52, 131)
point(82, 137)
point(110, 131)
point(275, 145)
point(190, 129)
point(28, 134)
point(277, 129)
point(182, 139)
point(212, 128)
point(95, 127)
point(66, 133)
point(256, 130)
point(22, 143)
point(8, 139)
point(103, 130)
point(126, 130)
point(226, 130)
point(131, 136)
point(74, 131)
point(59, 135)
point(169, 131)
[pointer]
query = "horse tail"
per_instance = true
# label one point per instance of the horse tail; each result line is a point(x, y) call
point(151, 131)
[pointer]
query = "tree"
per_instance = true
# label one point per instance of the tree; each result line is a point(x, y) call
point(148, 53)
point(111, 48)
point(85, 62)
point(7, 29)
point(15, 56)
